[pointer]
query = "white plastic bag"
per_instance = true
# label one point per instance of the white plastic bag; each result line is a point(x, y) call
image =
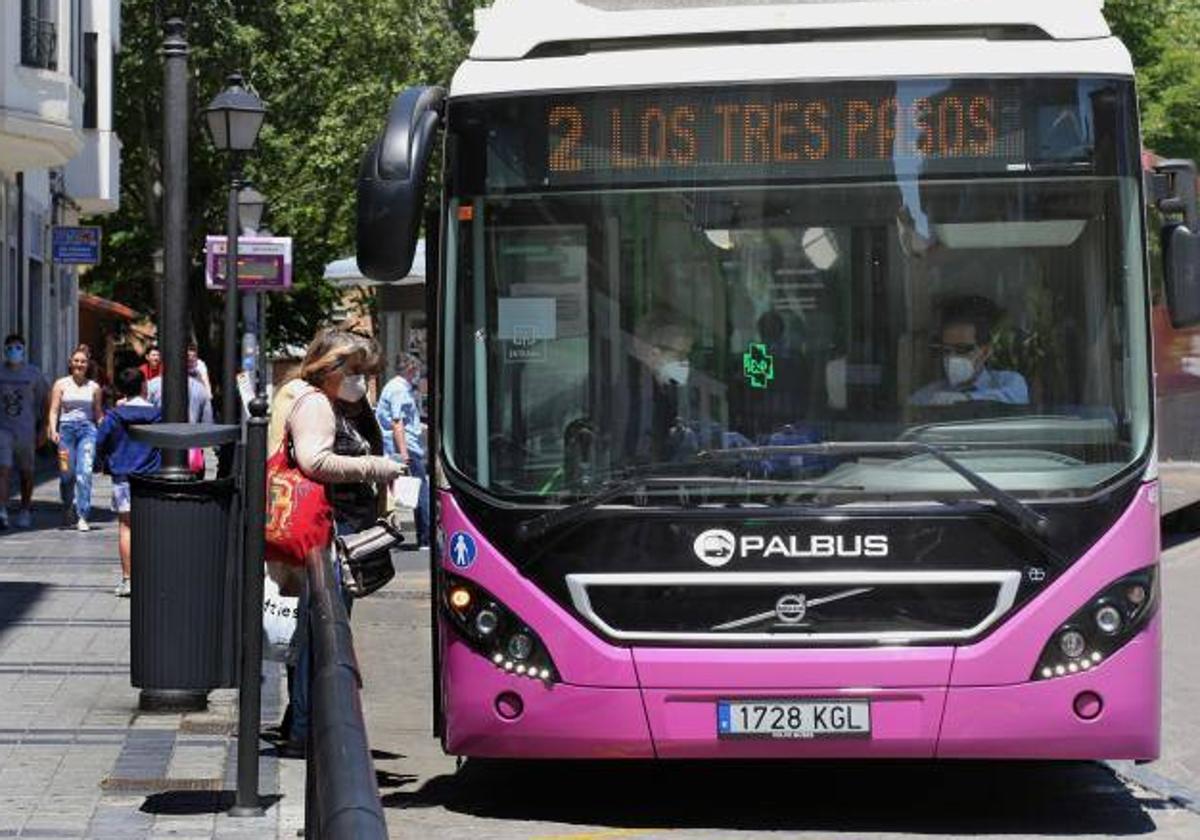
point(281, 620)
point(406, 491)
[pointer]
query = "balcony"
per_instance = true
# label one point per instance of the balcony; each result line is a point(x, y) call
point(93, 177)
point(41, 108)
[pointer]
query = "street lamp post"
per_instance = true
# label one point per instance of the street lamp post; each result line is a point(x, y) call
point(251, 204)
point(173, 314)
point(234, 118)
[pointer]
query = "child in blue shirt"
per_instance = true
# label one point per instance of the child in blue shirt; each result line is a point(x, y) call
point(123, 456)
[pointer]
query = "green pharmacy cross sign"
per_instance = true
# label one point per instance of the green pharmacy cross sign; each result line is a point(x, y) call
point(758, 365)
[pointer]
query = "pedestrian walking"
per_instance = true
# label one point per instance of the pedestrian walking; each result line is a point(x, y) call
point(76, 408)
point(331, 445)
point(123, 456)
point(399, 417)
point(24, 404)
point(196, 366)
point(152, 363)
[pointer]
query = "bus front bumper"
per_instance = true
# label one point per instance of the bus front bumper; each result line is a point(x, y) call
point(1048, 719)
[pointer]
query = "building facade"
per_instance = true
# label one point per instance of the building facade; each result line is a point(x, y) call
point(59, 158)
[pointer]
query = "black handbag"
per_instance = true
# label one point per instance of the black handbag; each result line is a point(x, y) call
point(366, 557)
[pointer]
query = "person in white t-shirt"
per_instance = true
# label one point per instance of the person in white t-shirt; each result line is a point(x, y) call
point(76, 409)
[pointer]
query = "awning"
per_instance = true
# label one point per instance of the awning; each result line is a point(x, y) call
point(344, 273)
point(104, 306)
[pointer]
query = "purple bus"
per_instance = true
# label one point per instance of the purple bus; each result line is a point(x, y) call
point(792, 379)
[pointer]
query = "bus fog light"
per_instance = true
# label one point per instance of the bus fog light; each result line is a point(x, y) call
point(1072, 644)
point(520, 646)
point(1088, 705)
point(509, 705)
point(1108, 619)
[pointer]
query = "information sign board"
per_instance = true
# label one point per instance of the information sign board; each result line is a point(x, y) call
point(75, 245)
point(264, 263)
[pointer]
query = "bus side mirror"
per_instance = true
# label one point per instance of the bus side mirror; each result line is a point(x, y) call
point(1173, 190)
point(391, 184)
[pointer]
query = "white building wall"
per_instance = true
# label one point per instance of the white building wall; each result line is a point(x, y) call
point(59, 159)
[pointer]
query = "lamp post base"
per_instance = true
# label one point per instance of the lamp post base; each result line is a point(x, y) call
point(171, 701)
point(246, 811)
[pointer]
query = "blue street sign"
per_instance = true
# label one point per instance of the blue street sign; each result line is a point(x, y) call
point(76, 245)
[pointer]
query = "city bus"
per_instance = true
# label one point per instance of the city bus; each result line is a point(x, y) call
point(792, 379)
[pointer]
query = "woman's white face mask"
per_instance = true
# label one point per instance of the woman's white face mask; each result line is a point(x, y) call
point(352, 388)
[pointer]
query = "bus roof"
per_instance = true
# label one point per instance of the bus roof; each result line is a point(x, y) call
point(516, 29)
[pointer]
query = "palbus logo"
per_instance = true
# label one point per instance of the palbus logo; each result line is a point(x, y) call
point(717, 546)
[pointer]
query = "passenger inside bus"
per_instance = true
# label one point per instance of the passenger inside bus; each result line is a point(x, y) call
point(647, 412)
point(965, 348)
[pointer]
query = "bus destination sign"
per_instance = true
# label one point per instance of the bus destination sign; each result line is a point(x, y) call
point(776, 133)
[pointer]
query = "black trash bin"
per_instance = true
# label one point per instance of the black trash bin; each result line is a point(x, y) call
point(185, 572)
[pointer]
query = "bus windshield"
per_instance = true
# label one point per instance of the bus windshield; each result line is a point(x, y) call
point(635, 279)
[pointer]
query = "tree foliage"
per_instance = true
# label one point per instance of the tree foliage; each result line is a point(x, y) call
point(328, 71)
point(1163, 36)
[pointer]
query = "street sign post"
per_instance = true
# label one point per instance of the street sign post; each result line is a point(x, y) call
point(264, 263)
point(75, 245)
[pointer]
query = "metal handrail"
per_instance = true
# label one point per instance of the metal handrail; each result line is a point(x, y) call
point(342, 797)
point(39, 43)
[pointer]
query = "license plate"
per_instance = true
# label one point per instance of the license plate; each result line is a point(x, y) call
point(793, 718)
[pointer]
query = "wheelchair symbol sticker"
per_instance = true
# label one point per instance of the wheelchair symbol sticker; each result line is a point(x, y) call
point(462, 550)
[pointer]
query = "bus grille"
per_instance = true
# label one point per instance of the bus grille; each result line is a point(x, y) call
point(794, 608)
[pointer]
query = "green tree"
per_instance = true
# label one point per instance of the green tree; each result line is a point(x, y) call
point(1163, 38)
point(328, 71)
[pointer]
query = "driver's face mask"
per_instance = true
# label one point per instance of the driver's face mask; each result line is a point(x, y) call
point(959, 369)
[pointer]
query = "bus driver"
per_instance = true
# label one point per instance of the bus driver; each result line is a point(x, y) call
point(965, 347)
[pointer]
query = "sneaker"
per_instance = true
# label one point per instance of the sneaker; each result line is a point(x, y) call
point(82, 525)
point(24, 518)
point(122, 590)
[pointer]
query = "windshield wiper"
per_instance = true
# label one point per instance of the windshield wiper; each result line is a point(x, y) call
point(1025, 517)
point(539, 525)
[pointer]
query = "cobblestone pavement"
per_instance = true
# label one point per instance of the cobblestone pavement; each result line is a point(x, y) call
point(425, 795)
point(77, 759)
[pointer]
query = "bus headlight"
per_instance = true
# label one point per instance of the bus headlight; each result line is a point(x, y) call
point(1072, 644)
point(494, 631)
point(1108, 619)
point(1095, 632)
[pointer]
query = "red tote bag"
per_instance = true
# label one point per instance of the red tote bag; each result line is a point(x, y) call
point(299, 516)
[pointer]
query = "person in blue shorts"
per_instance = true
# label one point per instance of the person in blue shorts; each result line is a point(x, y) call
point(123, 456)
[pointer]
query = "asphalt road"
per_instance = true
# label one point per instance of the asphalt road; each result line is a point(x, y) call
point(425, 795)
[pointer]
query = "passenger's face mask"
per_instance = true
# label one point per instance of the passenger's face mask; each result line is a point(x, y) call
point(674, 373)
point(14, 353)
point(353, 388)
point(959, 369)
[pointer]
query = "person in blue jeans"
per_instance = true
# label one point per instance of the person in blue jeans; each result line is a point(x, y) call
point(76, 409)
point(399, 417)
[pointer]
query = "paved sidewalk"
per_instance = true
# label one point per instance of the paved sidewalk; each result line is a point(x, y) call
point(77, 759)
